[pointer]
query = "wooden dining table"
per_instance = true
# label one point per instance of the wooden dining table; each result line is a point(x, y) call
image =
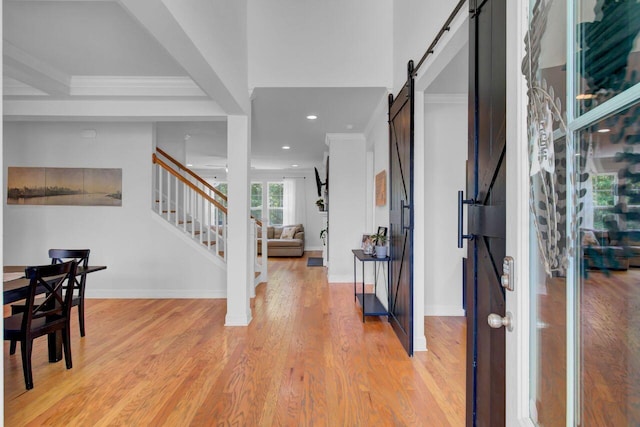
point(15, 288)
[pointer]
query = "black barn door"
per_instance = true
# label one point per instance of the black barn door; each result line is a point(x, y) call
point(401, 213)
point(486, 193)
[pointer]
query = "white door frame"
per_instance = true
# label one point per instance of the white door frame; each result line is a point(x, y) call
point(517, 244)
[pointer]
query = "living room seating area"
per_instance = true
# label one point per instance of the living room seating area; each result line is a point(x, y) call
point(611, 249)
point(283, 240)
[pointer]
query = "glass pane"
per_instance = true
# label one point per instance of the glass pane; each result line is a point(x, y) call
point(275, 216)
point(276, 193)
point(609, 304)
point(256, 200)
point(222, 187)
point(607, 50)
point(545, 70)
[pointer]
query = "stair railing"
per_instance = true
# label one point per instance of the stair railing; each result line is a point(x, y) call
point(200, 183)
point(195, 179)
point(189, 208)
point(197, 208)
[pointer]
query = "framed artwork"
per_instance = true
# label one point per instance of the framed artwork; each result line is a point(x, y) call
point(367, 244)
point(382, 231)
point(64, 186)
point(381, 188)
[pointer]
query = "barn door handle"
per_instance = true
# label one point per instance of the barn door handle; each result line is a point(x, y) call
point(462, 201)
point(402, 208)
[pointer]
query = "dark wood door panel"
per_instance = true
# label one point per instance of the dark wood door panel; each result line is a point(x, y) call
point(400, 214)
point(486, 185)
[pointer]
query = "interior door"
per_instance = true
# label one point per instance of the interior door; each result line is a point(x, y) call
point(486, 179)
point(401, 213)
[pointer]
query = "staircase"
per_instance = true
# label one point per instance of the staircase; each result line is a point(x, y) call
point(196, 208)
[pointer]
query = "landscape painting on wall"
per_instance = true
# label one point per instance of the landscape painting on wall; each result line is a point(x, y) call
point(64, 186)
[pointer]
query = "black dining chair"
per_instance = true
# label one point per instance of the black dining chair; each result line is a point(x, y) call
point(47, 315)
point(81, 256)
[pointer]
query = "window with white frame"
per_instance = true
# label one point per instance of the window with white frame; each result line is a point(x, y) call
point(276, 202)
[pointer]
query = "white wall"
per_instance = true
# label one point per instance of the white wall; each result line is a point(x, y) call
point(175, 147)
point(377, 135)
point(307, 43)
point(347, 202)
point(445, 171)
point(145, 257)
point(415, 25)
point(378, 140)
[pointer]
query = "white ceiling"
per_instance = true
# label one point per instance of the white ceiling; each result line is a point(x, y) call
point(56, 49)
point(455, 76)
point(85, 38)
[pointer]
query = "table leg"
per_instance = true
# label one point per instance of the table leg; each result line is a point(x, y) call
point(354, 279)
point(363, 293)
point(55, 346)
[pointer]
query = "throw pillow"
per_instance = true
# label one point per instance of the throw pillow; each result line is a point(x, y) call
point(288, 232)
point(589, 238)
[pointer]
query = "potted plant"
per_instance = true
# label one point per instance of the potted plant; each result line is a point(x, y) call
point(323, 236)
point(320, 204)
point(380, 240)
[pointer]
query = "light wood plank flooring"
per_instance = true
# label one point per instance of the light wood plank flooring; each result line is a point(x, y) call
point(305, 359)
point(608, 345)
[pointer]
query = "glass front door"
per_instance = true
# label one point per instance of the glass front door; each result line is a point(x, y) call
point(582, 70)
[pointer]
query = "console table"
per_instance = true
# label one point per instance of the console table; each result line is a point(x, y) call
point(371, 305)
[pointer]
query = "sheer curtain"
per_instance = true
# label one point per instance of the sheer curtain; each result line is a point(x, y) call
point(294, 201)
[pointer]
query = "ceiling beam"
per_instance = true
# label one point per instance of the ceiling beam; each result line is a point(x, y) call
point(23, 67)
point(155, 17)
point(132, 110)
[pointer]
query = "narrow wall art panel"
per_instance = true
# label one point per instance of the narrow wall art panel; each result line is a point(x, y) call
point(64, 186)
point(381, 188)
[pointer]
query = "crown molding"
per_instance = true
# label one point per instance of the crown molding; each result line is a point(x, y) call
point(343, 137)
point(125, 110)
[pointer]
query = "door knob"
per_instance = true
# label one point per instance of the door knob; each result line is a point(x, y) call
point(496, 321)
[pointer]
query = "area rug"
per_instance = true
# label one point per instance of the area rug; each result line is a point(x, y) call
point(314, 262)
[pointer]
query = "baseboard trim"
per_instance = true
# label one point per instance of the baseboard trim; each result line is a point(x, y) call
point(340, 278)
point(420, 343)
point(237, 320)
point(443, 310)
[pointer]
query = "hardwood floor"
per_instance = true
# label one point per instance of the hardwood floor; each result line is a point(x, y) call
point(608, 344)
point(305, 359)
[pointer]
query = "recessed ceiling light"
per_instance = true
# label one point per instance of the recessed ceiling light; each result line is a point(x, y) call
point(294, 166)
point(587, 96)
point(604, 130)
point(312, 117)
point(189, 165)
point(285, 147)
point(349, 127)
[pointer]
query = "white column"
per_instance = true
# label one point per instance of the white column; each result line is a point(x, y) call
point(419, 282)
point(239, 264)
point(347, 202)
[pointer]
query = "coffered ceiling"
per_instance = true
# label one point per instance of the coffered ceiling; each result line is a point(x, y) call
point(83, 57)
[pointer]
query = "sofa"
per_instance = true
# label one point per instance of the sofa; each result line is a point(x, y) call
point(289, 245)
point(610, 249)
